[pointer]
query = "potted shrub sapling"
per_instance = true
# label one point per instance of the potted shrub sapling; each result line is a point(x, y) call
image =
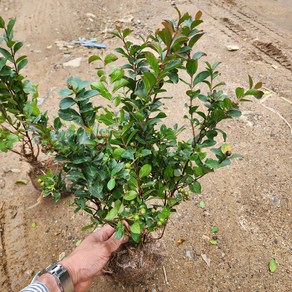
point(123, 162)
point(120, 159)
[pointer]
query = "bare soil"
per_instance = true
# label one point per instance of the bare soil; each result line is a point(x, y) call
point(250, 201)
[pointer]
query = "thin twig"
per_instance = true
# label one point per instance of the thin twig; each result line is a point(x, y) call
point(165, 276)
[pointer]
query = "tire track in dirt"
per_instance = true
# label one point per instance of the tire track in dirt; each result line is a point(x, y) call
point(255, 33)
point(4, 277)
point(13, 246)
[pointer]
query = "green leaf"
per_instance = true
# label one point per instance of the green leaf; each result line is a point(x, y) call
point(258, 85)
point(213, 164)
point(177, 172)
point(117, 169)
point(17, 46)
point(111, 184)
point(145, 170)
point(119, 84)
point(201, 77)
point(213, 241)
point(135, 228)
point(65, 92)
point(145, 152)
point(116, 74)
point(66, 103)
point(57, 123)
point(2, 63)
point(93, 58)
point(149, 80)
point(151, 59)
point(102, 89)
point(130, 195)
point(21, 181)
point(110, 58)
point(112, 214)
point(195, 187)
point(2, 22)
point(250, 81)
point(192, 66)
point(195, 38)
point(214, 229)
point(126, 32)
point(6, 54)
point(198, 55)
point(273, 265)
point(10, 26)
point(239, 92)
point(234, 113)
point(120, 230)
point(22, 64)
point(118, 153)
point(69, 115)
point(127, 155)
point(202, 204)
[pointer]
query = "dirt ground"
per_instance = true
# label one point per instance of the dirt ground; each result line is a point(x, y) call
point(250, 201)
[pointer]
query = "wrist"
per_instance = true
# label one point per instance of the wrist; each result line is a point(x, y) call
point(66, 263)
point(50, 282)
point(57, 277)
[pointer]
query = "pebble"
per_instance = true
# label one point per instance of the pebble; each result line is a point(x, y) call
point(62, 255)
point(232, 48)
point(188, 254)
point(127, 19)
point(14, 170)
point(73, 63)
point(206, 259)
point(90, 15)
point(2, 183)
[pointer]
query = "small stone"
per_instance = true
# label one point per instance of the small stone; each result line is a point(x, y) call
point(62, 255)
point(90, 15)
point(14, 170)
point(49, 47)
point(232, 48)
point(127, 19)
point(73, 63)
point(58, 66)
point(206, 259)
point(188, 254)
point(70, 237)
point(2, 183)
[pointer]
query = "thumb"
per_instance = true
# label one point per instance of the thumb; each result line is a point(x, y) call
point(113, 244)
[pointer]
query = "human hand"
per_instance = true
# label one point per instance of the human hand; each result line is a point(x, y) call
point(89, 258)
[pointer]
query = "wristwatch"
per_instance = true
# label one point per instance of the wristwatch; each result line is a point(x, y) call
point(61, 275)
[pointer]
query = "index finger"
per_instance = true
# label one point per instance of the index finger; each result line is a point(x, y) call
point(104, 233)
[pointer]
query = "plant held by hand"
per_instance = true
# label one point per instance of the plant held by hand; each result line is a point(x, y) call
point(122, 161)
point(119, 159)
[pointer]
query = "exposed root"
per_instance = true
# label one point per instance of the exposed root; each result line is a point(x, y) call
point(131, 265)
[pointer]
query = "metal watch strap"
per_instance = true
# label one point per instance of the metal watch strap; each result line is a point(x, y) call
point(60, 274)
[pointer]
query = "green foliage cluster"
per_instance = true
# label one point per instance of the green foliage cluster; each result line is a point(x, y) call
point(121, 161)
point(20, 116)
